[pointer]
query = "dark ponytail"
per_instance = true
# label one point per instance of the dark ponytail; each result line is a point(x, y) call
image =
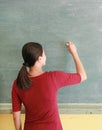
point(30, 53)
point(23, 80)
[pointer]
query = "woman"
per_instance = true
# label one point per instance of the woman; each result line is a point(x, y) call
point(37, 90)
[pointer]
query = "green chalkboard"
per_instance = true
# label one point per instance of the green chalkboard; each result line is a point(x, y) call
point(52, 23)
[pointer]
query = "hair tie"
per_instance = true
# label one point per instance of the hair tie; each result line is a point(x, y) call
point(24, 64)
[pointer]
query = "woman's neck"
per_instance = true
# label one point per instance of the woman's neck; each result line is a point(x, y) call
point(35, 71)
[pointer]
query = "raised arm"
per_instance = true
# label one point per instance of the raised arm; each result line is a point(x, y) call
point(79, 66)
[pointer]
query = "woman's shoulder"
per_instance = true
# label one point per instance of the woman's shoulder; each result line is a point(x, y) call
point(55, 73)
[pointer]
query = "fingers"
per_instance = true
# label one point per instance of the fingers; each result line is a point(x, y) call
point(69, 43)
point(71, 47)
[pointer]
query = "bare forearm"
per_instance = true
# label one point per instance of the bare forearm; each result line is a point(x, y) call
point(17, 124)
point(79, 66)
point(17, 120)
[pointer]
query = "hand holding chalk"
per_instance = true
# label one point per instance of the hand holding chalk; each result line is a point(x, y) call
point(71, 47)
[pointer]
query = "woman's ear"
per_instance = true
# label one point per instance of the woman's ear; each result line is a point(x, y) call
point(39, 59)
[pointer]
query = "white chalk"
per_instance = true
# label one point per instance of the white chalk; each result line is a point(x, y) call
point(67, 44)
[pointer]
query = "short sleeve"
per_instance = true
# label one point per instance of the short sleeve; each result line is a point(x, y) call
point(16, 102)
point(66, 79)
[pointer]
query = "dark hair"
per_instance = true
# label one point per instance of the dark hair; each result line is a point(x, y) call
point(30, 53)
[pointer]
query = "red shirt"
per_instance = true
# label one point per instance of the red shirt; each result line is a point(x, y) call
point(40, 100)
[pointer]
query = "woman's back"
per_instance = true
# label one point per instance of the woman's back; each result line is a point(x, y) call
point(40, 100)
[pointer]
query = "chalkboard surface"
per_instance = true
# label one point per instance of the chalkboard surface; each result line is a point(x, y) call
point(52, 23)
